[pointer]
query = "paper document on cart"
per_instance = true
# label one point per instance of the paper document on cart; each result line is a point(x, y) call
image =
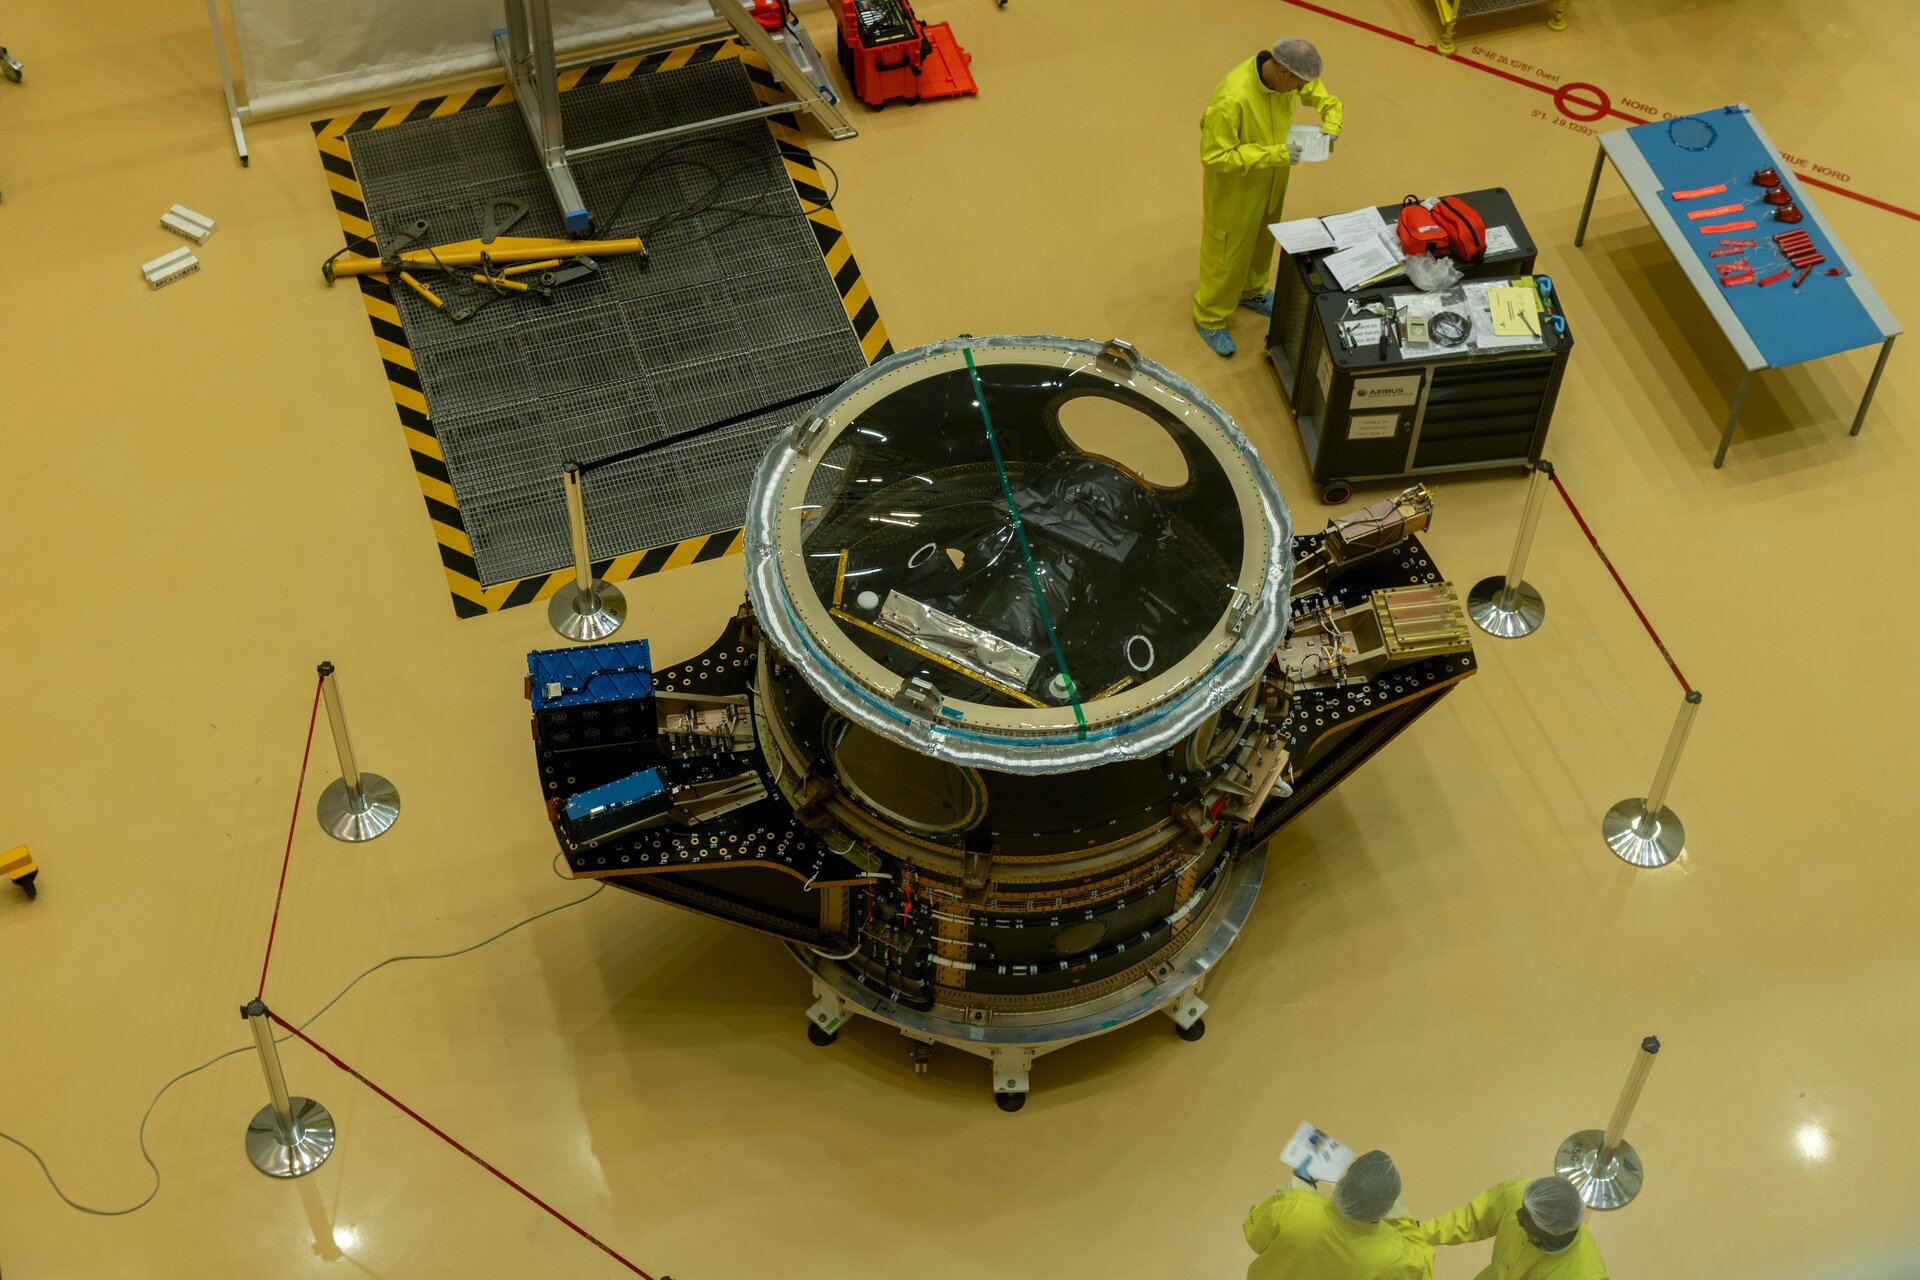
point(1358, 227)
point(1312, 1152)
point(1314, 145)
point(1302, 235)
point(1368, 260)
point(1515, 311)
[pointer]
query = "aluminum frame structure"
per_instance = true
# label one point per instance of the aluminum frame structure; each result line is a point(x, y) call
point(525, 49)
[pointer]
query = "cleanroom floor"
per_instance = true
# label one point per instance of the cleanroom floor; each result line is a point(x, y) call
point(206, 492)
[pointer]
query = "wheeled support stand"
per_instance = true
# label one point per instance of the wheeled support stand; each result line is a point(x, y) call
point(525, 48)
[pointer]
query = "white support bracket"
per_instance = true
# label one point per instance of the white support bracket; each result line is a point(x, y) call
point(1010, 1068)
point(828, 1012)
point(1187, 1010)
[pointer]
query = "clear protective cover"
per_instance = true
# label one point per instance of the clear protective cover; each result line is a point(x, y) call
point(1031, 554)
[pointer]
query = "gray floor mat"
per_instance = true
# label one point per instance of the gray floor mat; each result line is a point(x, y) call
point(662, 381)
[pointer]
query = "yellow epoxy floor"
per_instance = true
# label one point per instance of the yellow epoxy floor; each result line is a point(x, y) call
point(206, 492)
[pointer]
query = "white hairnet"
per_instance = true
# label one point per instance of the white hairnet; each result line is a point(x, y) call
point(1370, 1186)
point(1298, 56)
point(1554, 1204)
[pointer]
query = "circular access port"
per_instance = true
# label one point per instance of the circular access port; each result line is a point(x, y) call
point(1120, 432)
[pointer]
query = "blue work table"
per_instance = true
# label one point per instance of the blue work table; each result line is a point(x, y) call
point(1769, 327)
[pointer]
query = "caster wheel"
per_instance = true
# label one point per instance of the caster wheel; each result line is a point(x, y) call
point(1009, 1101)
point(820, 1035)
point(1192, 1033)
point(1335, 491)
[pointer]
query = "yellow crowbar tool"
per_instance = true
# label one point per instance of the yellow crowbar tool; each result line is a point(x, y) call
point(470, 253)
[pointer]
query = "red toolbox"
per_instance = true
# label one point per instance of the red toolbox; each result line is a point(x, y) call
point(888, 55)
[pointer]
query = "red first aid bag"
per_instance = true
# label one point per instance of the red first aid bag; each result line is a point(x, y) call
point(1421, 232)
point(1465, 228)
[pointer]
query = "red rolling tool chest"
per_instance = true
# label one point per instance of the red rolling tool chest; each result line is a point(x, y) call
point(889, 55)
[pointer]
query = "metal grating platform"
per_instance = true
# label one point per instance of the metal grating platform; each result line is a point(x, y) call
point(674, 377)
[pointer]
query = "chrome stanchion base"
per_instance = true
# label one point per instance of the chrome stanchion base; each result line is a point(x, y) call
point(1607, 1188)
point(1642, 838)
point(1523, 619)
point(312, 1140)
point(379, 808)
point(587, 615)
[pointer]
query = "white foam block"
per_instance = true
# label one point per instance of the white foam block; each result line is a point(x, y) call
point(182, 221)
point(168, 267)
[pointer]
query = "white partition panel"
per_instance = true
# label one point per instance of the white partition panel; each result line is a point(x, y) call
point(299, 54)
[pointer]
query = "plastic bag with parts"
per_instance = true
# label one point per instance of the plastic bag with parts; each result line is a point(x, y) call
point(1430, 275)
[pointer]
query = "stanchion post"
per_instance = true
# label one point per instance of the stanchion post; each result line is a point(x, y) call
point(290, 1136)
point(1644, 831)
point(1509, 607)
point(586, 608)
point(1601, 1164)
point(355, 806)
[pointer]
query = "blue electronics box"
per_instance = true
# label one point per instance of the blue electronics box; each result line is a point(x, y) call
point(591, 696)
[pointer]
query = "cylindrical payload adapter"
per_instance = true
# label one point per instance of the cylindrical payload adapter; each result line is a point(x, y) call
point(1019, 594)
point(1032, 665)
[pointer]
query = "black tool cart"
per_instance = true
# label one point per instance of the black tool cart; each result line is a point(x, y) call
point(1391, 411)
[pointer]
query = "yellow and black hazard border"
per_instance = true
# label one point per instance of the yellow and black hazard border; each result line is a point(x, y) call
point(470, 598)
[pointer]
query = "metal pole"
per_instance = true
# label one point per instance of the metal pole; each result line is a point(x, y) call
point(289, 1136)
point(586, 608)
point(1593, 185)
point(577, 526)
point(1629, 1097)
point(1603, 1165)
point(1509, 607)
point(1886, 349)
point(356, 806)
point(226, 83)
point(337, 721)
point(1645, 832)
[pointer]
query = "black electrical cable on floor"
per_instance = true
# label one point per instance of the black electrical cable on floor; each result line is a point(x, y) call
point(706, 202)
point(192, 1071)
point(719, 179)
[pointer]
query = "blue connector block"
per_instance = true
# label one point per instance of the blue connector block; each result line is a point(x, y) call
point(617, 806)
point(619, 671)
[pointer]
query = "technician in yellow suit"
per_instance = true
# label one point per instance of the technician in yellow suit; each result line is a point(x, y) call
point(1302, 1235)
point(1536, 1230)
point(1243, 149)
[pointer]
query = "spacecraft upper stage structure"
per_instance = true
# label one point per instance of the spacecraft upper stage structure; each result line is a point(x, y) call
point(1032, 666)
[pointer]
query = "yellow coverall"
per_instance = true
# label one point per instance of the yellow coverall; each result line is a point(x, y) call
point(1493, 1213)
point(1299, 1235)
point(1243, 150)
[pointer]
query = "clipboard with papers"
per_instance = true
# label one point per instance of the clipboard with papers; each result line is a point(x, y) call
point(1363, 249)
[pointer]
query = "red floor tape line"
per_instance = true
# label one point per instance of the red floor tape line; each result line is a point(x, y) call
point(1553, 90)
point(440, 1133)
point(300, 787)
point(1594, 542)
